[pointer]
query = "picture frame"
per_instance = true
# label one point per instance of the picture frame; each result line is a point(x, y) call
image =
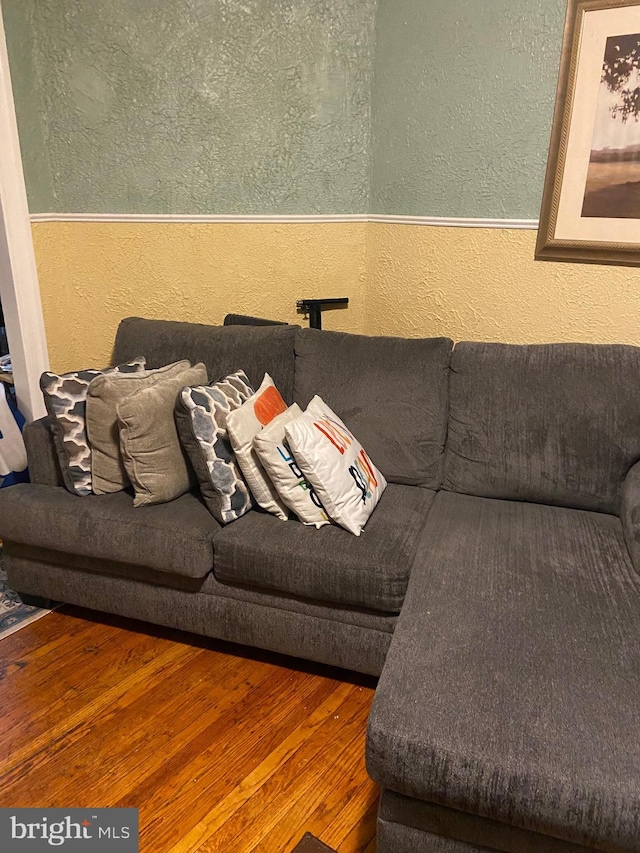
point(591, 199)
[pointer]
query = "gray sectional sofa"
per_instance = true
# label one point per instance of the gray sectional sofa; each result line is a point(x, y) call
point(495, 589)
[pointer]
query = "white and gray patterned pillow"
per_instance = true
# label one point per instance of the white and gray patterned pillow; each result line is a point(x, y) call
point(201, 413)
point(65, 397)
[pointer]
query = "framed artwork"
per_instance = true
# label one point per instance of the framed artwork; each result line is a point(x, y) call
point(591, 200)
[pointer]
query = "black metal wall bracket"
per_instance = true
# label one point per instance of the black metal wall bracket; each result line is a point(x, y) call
point(315, 307)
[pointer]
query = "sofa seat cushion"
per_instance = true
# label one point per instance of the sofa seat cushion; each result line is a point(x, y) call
point(511, 686)
point(174, 537)
point(329, 564)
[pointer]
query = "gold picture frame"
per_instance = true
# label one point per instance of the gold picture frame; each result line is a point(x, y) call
point(591, 200)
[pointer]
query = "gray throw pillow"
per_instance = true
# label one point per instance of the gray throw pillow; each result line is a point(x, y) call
point(153, 457)
point(201, 414)
point(65, 397)
point(105, 392)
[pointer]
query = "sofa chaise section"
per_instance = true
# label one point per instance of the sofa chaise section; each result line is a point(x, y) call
point(511, 688)
point(507, 715)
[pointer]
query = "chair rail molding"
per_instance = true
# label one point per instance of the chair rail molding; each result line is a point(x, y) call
point(267, 218)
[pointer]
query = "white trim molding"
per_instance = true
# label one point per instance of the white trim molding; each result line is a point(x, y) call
point(454, 222)
point(222, 218)
point(19, 288)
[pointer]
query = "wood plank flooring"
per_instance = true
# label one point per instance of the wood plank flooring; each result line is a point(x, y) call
point(223, 749)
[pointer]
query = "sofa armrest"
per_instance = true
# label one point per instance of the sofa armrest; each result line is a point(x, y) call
point(630, 514)
point(44, 467)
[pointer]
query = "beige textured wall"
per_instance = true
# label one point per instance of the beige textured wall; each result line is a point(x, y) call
point(94, 274)
point(483, 284)
point(407, 280)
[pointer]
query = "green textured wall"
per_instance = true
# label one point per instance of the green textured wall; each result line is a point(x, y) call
point(462, 105)
point(21, 43)
point(193, 106)
point(416, 107)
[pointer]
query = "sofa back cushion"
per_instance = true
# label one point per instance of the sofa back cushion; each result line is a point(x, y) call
point(392, 393)
point(223, 349)
point(551, 423)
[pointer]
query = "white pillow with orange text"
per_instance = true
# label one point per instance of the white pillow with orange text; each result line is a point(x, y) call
point(243, 424)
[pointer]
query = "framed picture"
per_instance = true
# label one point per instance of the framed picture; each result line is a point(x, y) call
point(591, 200)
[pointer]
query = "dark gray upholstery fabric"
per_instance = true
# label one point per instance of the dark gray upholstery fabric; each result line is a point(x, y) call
point(273, 628)
point(370, 619)
point(224, 349)
point(511, 687)
point(42, 456)
point(397, 838)
point(391, 392)
point(555, 423)
point(208, 584)
point(329, 564)
point(630, 514)
point(248, 320)
point(462, 826)
point(174, 537)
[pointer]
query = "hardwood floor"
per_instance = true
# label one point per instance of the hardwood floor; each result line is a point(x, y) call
point(223, 749)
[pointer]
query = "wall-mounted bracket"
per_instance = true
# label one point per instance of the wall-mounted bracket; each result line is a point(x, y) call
point(315, 307)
